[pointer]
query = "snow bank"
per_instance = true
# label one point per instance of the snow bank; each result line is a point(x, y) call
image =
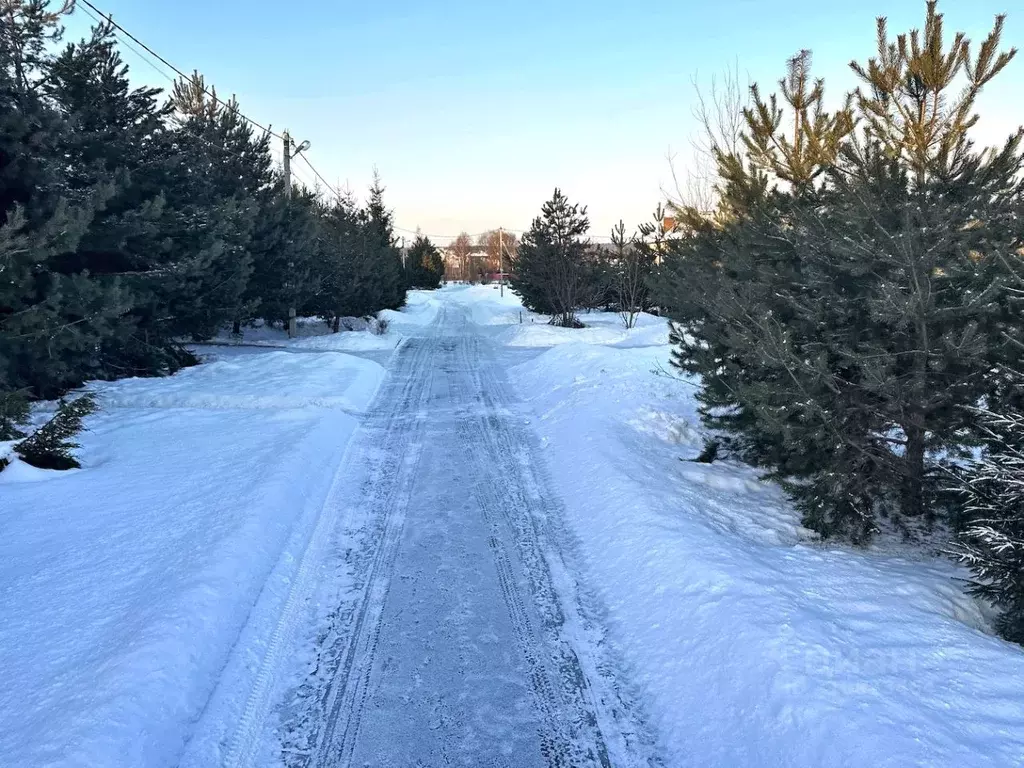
point(356, 334)
point(350, 341)
point(262, 334)
point(539, 334)
point(270, 379)
point(604, 328)
point(754, 645)
point(486, 304)
point(420, 309)
point(517, 327)
point(127, 584)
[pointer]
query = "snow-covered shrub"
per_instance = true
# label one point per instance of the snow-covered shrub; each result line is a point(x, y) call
point(52, 445)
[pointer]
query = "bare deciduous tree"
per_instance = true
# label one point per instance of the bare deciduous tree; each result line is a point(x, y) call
point(491, 241)
point(461, 251)
point(718, 111)
point(633, 258)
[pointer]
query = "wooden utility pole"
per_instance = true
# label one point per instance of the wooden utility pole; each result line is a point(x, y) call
point(287, 163)
point(501, 264)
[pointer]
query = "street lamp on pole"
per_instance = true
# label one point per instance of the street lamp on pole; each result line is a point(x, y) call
point(287, 164)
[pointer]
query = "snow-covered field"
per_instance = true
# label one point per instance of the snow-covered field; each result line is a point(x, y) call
point(753, 644)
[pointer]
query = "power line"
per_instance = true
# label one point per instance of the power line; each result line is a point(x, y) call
point(339, 196)
point(317, 173)
point(110, 20)
point(127, 44)
point(452, 237)
point(428, 234)
point(303, 179)
point(234, 107)
point(142, 57)
point(193, 133)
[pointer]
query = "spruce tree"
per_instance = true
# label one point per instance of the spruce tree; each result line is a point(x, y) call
point(424, 266)
point(385, 282)
point(552, 266)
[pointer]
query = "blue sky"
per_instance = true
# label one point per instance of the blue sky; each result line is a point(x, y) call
point(474, 111)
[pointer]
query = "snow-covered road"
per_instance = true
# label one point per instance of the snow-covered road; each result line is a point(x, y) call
point(451, 629)
point(360, 558)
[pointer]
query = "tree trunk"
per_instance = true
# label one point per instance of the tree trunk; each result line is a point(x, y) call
point(913, 471)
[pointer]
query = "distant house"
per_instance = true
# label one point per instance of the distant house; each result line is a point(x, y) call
point(669, 227)
point(476, 266)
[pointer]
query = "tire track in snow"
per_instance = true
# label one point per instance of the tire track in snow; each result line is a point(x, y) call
point(350, 691)
point(400, 448)
point(581, 716)
point(246, 740)
point(593, 715)
point(560, 747)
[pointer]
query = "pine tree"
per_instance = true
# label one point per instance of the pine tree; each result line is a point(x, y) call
point(284, 249)
point(358, 267)
point(938, 215)
point(119, 133)
point(552, 265)
point(340, 242)
point(128, 228)
point(991, 542)
point(50, 319)
point(733, 285)
point(226, 169)
point(849, 297)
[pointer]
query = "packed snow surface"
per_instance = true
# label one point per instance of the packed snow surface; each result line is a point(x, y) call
point(257, 566)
